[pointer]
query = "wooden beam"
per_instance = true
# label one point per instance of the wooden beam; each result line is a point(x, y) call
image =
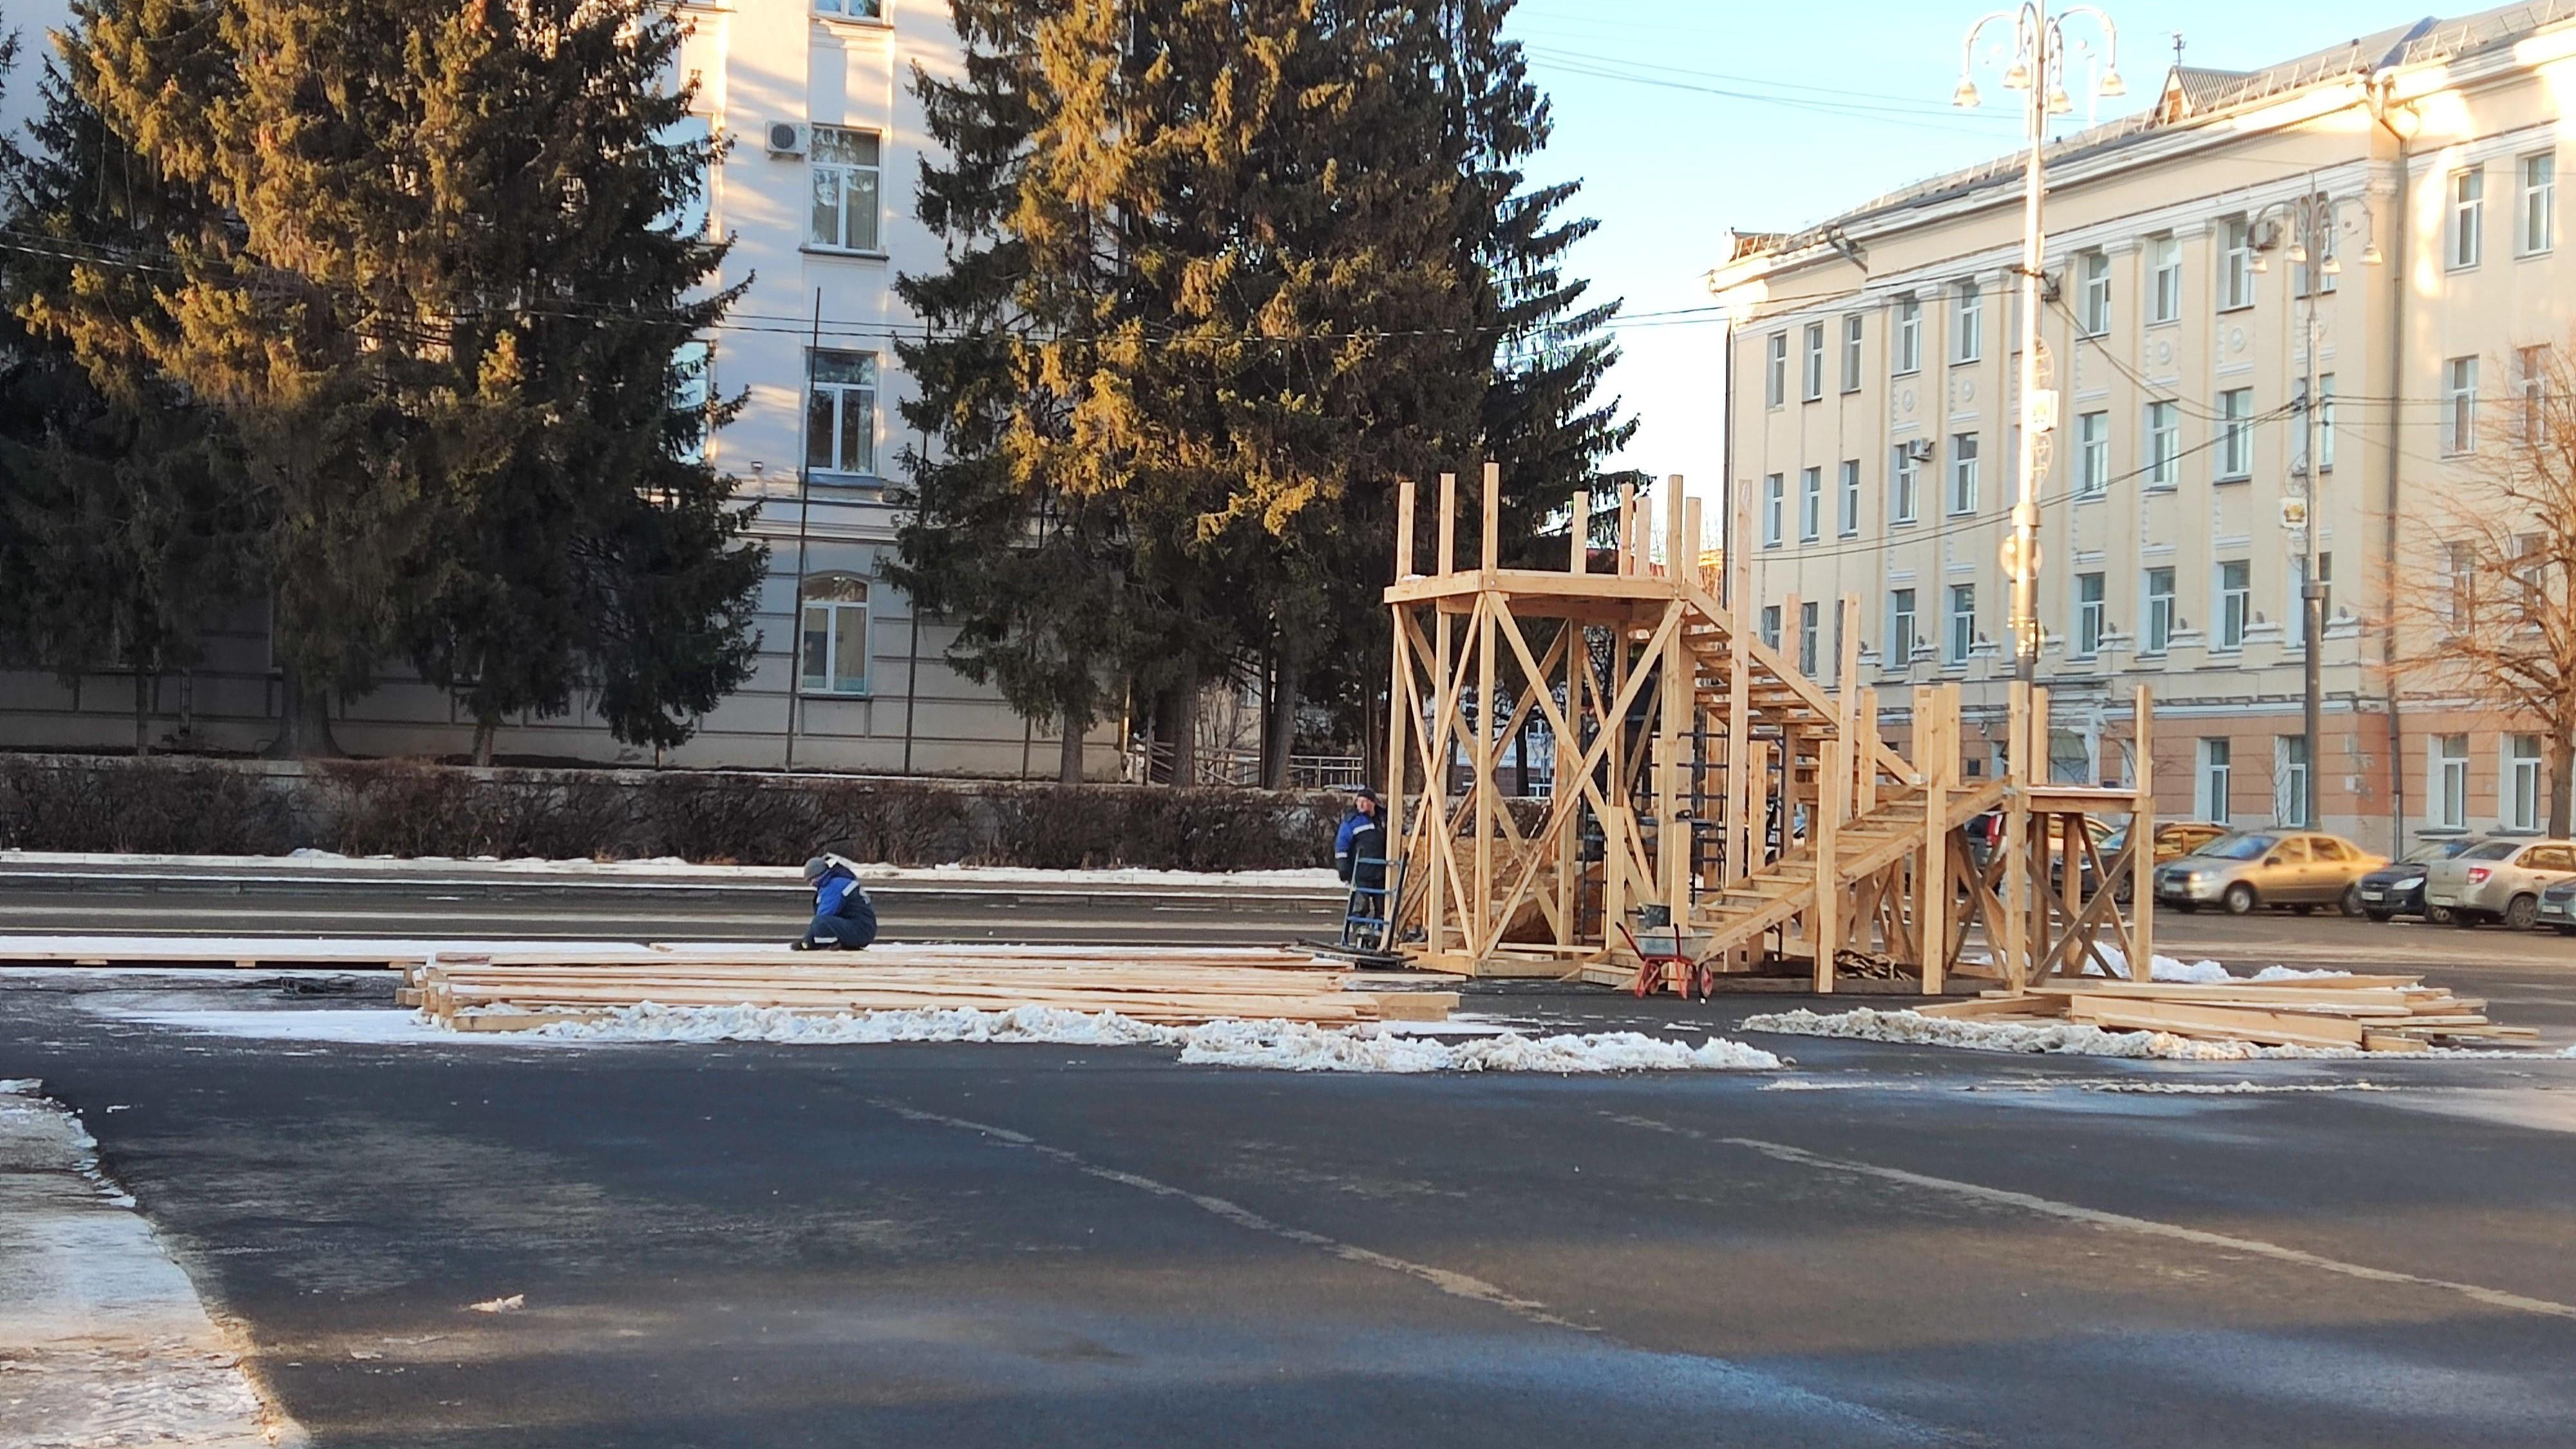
point(1448, 523)
point(2142, 831)
point(1491, 557)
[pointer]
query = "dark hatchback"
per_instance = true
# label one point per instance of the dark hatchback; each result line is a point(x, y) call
point(2397, 888)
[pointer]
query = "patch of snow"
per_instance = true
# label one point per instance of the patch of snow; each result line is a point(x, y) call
point(309, 861)
point(2201, 973)
point(2232, 1089)
point(511, 1304)
point(357, 1026)
point(1275, 1045)
point(2062, 1038)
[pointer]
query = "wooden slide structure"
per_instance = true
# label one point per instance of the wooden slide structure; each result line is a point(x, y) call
point(1715, 812)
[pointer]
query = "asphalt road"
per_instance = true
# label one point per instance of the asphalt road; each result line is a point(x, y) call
point(992, 1245)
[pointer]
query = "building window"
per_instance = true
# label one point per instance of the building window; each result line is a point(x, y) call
point(2236, 434)
point(1771, 626)
point(2325, 422)
point(2235, 600)
point(843, 164)
point(2092, 454)
point(2539, 203)
point(2214, 769)
point(1969, 337)
point(1811, 504)
point(835, 636)
point(2448, 786)
point(1851, 352)
point(2164, 279)
point(2088, 615)
point(1807, 632)
point(2521, 790)
point(1963, 473)
point(1811, 376)
point(2095, 269)
point(2164, 443)
point(2531, 392)
point(2235, 264)
point(1775, 370)
point(2467, 240)
point(2160, 612)
point(851, 9)
point(1963, 623)
point(1904, 482)
point(1849, 517)
point(689, 215)
point(1909, 334)
point(2460, 583)
point(1775, 508)
point(2290, 781)
point(841, 414)
point(2459, 405)
point(1899, 652)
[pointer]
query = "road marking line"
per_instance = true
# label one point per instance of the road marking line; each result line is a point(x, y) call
point(1456, 1284)
point(2072, 1212)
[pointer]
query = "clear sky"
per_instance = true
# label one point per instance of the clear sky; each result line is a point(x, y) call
point(1827, 104)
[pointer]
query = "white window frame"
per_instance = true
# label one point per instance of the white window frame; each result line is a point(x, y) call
point(2446, 781)
point(2096, 270)
point(1961, 501)
point(856, 188)
point(1775, 370)
point(1811, 369)
point(2531, 390)
point(1904, 485)
point(1847, 510)
point(2155, 636)
point(2538, 173)
point(1960, 639)
point(2235, 264)
point(2217, 778)
point(872, 11)
point(2236, 435)
point(2164, 279)
point(1968, 336)
point(2459, 406)
point(1775, 508)
point(2164, 443)
point(1909, 335)
point(831, 608)
point(1771, 626)
point(1809, 626)
point(2464, 239)
point(2092, 454)
point(2092, 611)
point(1898, 653)
point(832, 445)
point(1811, 504)
point(2233, 604)
point(1852, 339)
point(2520, 804)
point(2290, 783)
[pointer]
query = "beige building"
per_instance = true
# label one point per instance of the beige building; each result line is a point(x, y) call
point(815, 188)
point(1873, 399)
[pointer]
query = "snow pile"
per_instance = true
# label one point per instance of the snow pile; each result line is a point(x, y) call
point(1275, 1045)
point(2061, 1038)
point(2205, 973)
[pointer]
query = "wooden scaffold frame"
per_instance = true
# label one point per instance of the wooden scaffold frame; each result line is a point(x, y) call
point(1715, 812)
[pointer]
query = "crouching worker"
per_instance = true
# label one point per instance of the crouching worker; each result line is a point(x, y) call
point(844, 918)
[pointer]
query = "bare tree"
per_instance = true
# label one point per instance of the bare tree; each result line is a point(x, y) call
point(2482, 601)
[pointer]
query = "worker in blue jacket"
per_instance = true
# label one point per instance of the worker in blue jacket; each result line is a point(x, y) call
point(1362, 838)
point(844, 918)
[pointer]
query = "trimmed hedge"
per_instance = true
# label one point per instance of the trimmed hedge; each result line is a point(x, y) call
point(179, 806)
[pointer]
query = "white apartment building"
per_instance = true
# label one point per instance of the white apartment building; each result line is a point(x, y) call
point(815, 189)
point(1873, 398)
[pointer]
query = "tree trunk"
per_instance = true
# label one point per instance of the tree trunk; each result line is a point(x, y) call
point(143, 711)
point(1069, 758)
point(484, 729)
point(303, 722)
point(2561, 751)
point(1520, 760)
point(1183, 706)
point(1279, 732)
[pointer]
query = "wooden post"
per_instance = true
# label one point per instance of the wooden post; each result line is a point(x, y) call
point(1486, 930)
point(1739, 553)
point(1627, 529)
point(2142, 840)
point(1847, 675)
point(1580, 535)
point(1448, 524)
point(1740, 828)
point(1435, 792)
point(1492, 556)
point(1399, 721)
point(2014, 947)
point(1691, 524)
point(1936, 759)
point(1824, 827)
point(1791, 635)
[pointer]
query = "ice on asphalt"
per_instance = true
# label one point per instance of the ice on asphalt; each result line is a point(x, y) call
point(1913, 1028)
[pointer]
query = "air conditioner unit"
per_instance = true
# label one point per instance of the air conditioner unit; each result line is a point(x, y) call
point(788, 138)
point(1919, 449)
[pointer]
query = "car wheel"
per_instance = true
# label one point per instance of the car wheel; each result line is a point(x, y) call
point(2381, 916)
point(2522, 914)
point(2350, 905)
point(2239, 899)
point(2437, 915)
point(2124, 894)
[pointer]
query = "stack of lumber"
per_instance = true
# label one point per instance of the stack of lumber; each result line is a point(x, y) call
point(2370, 1013)
point(514, 990)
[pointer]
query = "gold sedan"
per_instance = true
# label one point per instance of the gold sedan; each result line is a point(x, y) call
point(2295, 868)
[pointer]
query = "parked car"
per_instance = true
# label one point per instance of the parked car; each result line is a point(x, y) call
point(2558, 907)
point(1986, 836)
point(2174, 839)
point(2299, 869)
point(2499, 880)
point(2397, 888)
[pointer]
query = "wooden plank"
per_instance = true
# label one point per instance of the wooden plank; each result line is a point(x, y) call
point(2228, 1022)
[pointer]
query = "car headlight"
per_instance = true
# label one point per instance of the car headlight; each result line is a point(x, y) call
point(2408, 884)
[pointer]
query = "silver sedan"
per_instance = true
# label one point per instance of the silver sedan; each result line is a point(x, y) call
point(2500, 880)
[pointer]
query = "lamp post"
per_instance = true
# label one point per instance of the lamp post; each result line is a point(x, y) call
point(2311, 220)
point(2039, 67)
